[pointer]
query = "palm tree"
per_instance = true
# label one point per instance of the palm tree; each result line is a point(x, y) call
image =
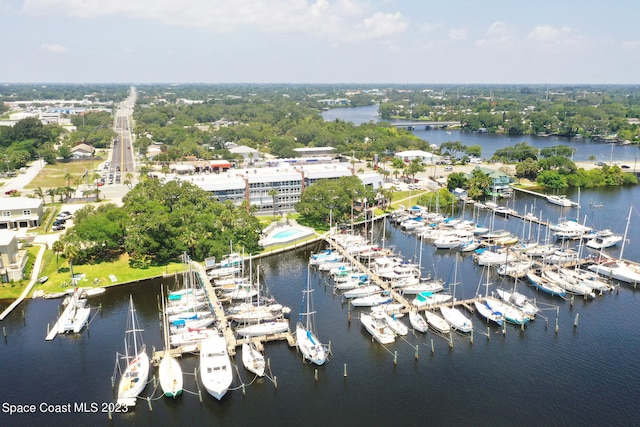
point(68, 177)
point(71, 251)
point(274, 194)
point(39, 192)
point(57, 247)
point(52, 193)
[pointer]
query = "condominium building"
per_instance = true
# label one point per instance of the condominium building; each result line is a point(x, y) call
point(255, 184)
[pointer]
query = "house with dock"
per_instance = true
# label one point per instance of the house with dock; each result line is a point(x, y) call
point(500, 181)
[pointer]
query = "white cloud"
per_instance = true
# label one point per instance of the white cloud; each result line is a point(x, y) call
point(458, 34)
point(498, 35)
point(631, 44)
point(429, 28)
point(342, 19)
point(547, 33)
point(54, 48)
point(381, 25)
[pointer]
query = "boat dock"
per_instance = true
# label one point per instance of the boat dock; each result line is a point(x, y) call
point(395, 295)
point(224, 325)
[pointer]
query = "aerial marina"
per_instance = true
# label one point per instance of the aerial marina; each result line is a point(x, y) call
point(220, 309)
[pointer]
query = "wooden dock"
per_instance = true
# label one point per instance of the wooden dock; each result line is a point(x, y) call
point(224, 325)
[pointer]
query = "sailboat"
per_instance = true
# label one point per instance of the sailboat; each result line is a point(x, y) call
point(134, 378)
point(306, 340)
point(453, 315)
point(215, 366)
point(169, 370)
point(252, 359)
point(417, 321)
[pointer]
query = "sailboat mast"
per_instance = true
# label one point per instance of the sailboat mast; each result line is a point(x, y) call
point(133, 324)
point(626, 230)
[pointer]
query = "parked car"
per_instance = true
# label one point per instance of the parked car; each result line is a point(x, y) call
point(10, 192)
point(59, 222)
point(58, 227)
point(43, 279)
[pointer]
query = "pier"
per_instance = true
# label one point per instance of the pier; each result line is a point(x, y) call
point(223, 324)
point(396, 296)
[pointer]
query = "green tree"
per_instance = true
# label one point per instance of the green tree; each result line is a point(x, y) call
point(57, 247)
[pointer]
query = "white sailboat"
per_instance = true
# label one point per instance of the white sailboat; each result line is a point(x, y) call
point(252, 359)
point(395, 324)
point(417, 321)
point(265, 328)
point(436, 322)
point(215, 366)
point(136, 372)
point(306, 341)
point(169, 370)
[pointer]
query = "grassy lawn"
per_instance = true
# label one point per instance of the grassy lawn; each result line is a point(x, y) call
point(96, 274)
point(52, 176)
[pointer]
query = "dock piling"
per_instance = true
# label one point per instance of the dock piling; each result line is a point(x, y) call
point(149, 403)
point(432, 348)
point(417, 347)
point(471, 337)
point(450, 339)
point(315, 375)
point(575, 322)
point(488, 332)
point(395, 357)
point(345, 371)
point(275, 381)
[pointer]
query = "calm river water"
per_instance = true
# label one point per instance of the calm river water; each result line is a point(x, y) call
point(584, 375)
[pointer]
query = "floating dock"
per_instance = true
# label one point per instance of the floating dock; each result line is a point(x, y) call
point(224, 325)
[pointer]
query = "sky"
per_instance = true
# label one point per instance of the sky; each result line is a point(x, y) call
point(320, 41)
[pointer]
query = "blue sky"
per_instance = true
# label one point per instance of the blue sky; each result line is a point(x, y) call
point(320, 41)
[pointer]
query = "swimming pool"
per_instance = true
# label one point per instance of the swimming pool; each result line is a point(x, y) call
point(286, 234)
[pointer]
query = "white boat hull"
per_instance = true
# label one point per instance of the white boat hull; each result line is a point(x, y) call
point(215, 366)
point(170, 375)
point(252, 359)
point(134, 379)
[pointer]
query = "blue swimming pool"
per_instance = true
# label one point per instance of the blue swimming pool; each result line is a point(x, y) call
point(285, 234)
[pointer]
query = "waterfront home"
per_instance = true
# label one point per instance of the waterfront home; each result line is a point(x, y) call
point(20, 212)
point(500, 181)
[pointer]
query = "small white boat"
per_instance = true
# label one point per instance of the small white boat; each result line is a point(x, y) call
point(371, 300)
point(362, 291)
point(191, 337)
point(428, 299)
point(267, 328)
point(136, 372)
point(396, 325)
point(604, 239)
point(417, 321)
point(377, 326)
point(560, 200)
point(169, 370)
point(170, 375)
point(436, 322)
point(456, 319)
point(487, 312)
point(525, 304)
point(252, 359)
point(215, 366)
point(75, 315)
point(306, 340)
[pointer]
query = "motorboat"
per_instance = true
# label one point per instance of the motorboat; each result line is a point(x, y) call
point(377, 326)
point(215, 366)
